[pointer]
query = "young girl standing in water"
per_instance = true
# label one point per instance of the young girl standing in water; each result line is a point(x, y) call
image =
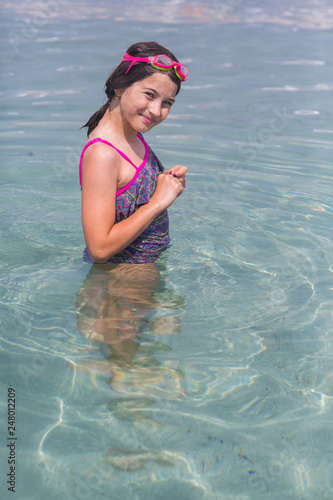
point(125, 190)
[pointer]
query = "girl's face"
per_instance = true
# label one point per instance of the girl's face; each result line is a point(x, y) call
point(147, 103)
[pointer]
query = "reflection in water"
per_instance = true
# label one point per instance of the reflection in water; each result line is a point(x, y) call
point(135, 460)
point(127, 315)
point(115, 304)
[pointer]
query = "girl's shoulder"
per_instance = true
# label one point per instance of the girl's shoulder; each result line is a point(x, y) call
point(99, 149)
point(97, 152)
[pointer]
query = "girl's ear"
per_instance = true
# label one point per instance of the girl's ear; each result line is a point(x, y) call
point(118, 93)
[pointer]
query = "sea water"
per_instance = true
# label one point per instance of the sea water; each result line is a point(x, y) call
point(210, 374)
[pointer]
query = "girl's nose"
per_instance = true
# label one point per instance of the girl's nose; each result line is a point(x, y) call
point(155, 108)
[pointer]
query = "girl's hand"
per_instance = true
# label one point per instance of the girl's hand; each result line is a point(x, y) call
point(178, 171)
point(168, 188)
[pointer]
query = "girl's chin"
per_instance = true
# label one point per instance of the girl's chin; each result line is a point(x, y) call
point(141, 126)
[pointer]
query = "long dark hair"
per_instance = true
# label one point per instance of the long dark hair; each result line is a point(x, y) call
point(118, 79)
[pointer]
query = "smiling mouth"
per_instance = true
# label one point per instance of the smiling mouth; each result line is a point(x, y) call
point(147, 119)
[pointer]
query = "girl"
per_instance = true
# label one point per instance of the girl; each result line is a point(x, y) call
point(125, 190)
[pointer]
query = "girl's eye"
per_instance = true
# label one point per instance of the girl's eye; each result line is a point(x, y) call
point(150, 94)
point(169, 103)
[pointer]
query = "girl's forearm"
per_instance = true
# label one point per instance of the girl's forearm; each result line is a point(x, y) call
point(124, 232)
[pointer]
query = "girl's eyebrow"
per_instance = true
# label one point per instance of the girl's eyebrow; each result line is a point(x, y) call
point(155, 92)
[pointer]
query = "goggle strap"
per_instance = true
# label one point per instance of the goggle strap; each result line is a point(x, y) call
point(129, 67)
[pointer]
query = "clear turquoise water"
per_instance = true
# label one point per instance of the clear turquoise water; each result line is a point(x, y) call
point(216, 382)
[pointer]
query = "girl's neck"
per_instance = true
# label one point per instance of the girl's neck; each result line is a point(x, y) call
point(112, 128)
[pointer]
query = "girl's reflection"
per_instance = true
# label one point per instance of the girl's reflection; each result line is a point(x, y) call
point(125, 316)
point(122, 307)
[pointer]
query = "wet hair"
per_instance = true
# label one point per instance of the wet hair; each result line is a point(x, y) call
point(118, 79)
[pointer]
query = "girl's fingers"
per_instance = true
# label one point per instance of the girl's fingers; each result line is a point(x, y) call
point(177, 171)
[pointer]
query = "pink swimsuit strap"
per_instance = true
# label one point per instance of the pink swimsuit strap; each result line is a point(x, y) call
point(98, 139)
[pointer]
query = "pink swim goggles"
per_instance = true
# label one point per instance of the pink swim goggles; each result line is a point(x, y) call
point(160, 62)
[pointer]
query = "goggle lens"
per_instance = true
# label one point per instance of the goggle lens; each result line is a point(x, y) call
point(183, 71)
point(160, 61)
point(163, 60)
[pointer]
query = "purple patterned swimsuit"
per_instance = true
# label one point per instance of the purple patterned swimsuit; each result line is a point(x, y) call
point(148, 246)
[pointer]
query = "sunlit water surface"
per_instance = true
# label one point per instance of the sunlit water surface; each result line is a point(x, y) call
point(209, 376)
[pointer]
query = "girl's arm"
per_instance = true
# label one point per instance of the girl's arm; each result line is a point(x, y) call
point(100, 174)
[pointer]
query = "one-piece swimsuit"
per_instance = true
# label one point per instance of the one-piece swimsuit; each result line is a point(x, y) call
point(148, 246)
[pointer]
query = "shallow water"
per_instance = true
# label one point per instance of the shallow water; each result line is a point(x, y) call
point(215, 380)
